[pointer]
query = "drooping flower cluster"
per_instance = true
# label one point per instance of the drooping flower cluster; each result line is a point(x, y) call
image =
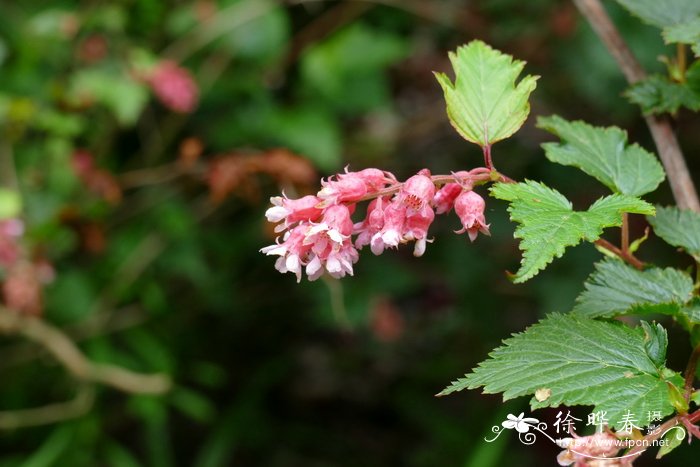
point(318, 229)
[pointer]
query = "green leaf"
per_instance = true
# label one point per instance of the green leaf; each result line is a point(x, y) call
point(680, 228)
point(582, 362)
point(615, 288)
point(663, 13)
point(121, 94)
point(672, 439)
point(603, 153)
point(548, 224)
point(655, 343)
point(484, 103)
point(657, 94)
point(684, 33)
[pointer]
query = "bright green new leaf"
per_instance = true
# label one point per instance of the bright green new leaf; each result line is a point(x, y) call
point(603, 153)
point(548, 223)
point(484, 103)
point(680, 228)
point(684, 33)
point(663, 13)
point(582, 362)
point(615, 288)
point(657, 94)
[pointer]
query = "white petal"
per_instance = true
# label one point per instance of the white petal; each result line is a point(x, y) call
point(276, 213)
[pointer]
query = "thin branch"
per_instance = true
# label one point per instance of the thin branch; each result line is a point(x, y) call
point(51, 413)
point(64, 350)
point(667, 145)
point(690, 371)
point(625, 256)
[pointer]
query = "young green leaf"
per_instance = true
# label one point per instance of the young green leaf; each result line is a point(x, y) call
point(583, 362)
point(663, 13)
point(615, 288)
point(680, 228)
point(655, 343)
point(603, 153)
point(548, 224)
point(657, 94)
point(484, 104)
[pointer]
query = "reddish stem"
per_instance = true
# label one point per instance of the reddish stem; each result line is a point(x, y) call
point(477, 176)
point(625, 256)
point(690, 372)
point(487, 156)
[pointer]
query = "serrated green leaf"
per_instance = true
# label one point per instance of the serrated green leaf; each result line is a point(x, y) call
point(655, 343)
point(615, 288)
point(604, 154)
point(691, 312)
point(680, 228)
point(662, 13)
point(684, 33)
point(657, 94)
point(548, 223)
point(484, 104)
point(582, 362)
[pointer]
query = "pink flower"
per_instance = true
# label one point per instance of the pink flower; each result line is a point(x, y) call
point(353, 186)
point(417, 193)
point(373, 223)
point(292, 211)
point(444, 199)
point(174, 87)
point(469, 206)
point(292, 251)
point(416, 228)
point(10, 232)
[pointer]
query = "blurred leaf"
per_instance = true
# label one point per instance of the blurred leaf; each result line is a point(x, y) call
point(50, 451)
point(118, 456)
point(548, 224)
point(657, 94)
point(615, 288)
point(119, 93)
point(150, 350)
point(684, 33)
point(485, 105)
point(310, 132)
point(604, 154)
point(663, 13)
point(558, 353)
point(347, 70)
point(10, 203)
point(193, 404)
point(70, 297)
point(261, 39)
point(677, 227)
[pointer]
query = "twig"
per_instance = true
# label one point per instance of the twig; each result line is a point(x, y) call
point(690, 370)
point(64, 350)
point(682, 185)
point(625, 233)
point(625, 256)
point(51, 413)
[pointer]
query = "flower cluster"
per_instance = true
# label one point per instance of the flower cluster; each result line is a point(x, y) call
point(318, 229)
point(22, 278)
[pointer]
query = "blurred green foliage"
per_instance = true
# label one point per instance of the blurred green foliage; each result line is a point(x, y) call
point(153, 274)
